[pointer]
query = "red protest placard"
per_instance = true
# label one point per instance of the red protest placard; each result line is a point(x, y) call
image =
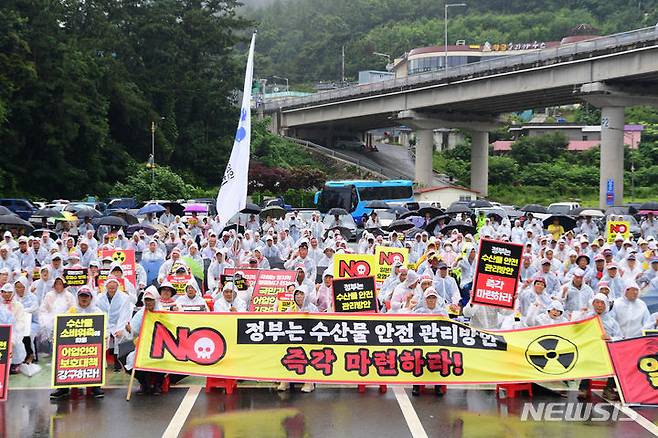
point(496, 277)
point(5, 353)
point(270, 289)
point(125, 257)
point(636, 366)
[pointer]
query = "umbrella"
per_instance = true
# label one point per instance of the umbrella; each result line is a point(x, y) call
point(195, 267)
point(148, 229)
point(378, 205)
point(14, 221)
point(112, 221)
point(418, 221)
point(127, 216)
point(514, 214)
point(38, 233)
point(251, 209)
point(480, 203)
point(196, 208)
point(568, 223)
point(376, 231)
point(67, 216)
point(274, 211)
point(344, 231)
point(150, 208)
point(434, 222)
point(412, 213)
point(87, 212)
point(47, 212)
point(534, 208)
point(337, 211)
point(460, 226)
point(591, 212)
point(458, 208)
point(649, 206)
point(433, 211)
point(495, 216)
point(5, 211)
point(239, 228)
point(175, 208)
point(400, 225)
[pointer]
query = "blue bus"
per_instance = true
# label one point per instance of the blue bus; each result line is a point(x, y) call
point(353, 195)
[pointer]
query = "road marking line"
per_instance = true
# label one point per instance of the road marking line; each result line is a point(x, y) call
point(410, 415)
point(182, 412)
point(636, 416)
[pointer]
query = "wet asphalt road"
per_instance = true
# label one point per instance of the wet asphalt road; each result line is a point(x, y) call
point(328, 412)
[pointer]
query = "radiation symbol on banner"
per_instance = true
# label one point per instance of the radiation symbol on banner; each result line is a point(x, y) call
point(119, 256)
point(552, 354)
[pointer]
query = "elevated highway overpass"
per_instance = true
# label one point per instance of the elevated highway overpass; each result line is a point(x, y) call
point(610, 72)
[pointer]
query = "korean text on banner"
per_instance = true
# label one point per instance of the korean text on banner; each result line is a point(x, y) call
point(496, 277)
point(355, 294)
point(126, 258)
point(618, 227)
point(270, 291)
point(367, 348)
point(388, 256)
point(79, 350)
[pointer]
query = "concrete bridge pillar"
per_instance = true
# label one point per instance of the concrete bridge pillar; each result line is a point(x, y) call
point(611, 179)
point(424, 148)
point(480, 162)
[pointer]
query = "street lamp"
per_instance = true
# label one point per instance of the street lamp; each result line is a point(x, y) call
point(284, 79)
point(445, 30)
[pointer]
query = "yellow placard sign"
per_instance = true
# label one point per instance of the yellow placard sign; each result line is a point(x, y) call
point(386, 257)
point(618, 227)
point(354, 265)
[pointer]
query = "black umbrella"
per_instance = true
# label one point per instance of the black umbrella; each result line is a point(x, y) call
point(462, 227)
point(5, 211)
point(480, 203)
point(112, 221)
point(239, 228)
point(38, 233)
point(376, 231)
point(433, 211)
point(48, 212)
point(274, 211)
point(567, 222)
point(514, 214)
point(495, 216)
point(251, 209)
point(434, 222)
point(175, 208)
point(410, 214)
point(649, 206)
point(378, 205)
point(344, 231)
point(87, 212)
point(534, 208)
point(148, 229)
point(127, 216)
point(14, 221)
point(400, 225)
point(413, 231)
point(337, 211)
point(458, 208)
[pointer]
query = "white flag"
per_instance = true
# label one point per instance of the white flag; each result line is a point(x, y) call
point(232, 196)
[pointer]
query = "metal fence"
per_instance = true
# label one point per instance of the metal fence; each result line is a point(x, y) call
point(483, 68)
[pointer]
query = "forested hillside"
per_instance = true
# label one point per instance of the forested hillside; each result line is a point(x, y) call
point(302, 39)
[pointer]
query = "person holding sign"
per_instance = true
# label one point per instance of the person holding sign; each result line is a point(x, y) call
point(167, 293)
point(432, 305)
point(31, 308)
point(58, 300)
point(325, 292)
point(21, 326)
point(554, 314)
point(118, 308)
point(228, 301)
point(192, 300)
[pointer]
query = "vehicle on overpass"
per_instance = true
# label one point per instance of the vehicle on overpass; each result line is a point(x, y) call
point(353, 195)
point(349, 142)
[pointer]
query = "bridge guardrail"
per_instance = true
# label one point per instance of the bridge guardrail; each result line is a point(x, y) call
point(545, 55)
point(379, 170)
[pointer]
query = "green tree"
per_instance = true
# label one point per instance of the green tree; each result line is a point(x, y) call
point(143, 185)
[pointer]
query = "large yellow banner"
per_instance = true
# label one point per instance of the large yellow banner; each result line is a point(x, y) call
point(366, 348)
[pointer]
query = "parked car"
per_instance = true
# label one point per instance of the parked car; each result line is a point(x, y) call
point(121, 204)
point(349, 142)
point(562, 207)
point(21, 207)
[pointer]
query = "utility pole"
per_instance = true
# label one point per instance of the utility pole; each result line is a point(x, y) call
point(152, 152)
point(342, 75)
